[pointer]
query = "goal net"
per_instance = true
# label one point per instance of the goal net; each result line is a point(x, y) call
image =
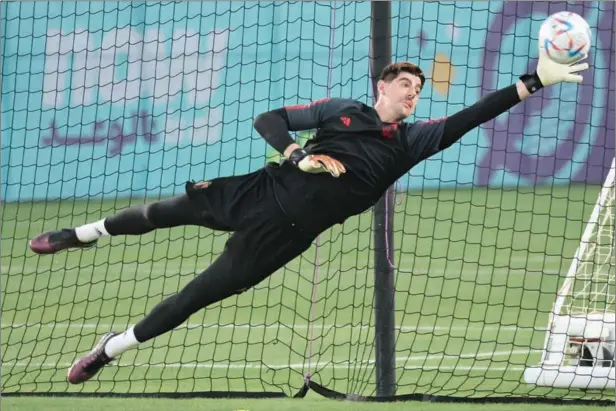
point(580, 341)
point(107, 105)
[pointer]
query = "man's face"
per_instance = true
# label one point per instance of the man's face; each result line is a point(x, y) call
point(401, 94)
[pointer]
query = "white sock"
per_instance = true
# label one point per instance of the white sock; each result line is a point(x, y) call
point(91, 232)
point(120, 343)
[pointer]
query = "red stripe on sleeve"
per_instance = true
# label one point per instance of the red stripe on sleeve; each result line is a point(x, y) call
point(303, 106)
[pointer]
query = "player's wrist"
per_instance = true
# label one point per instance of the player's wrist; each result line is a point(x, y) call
point(287, 151)
point(297, 155)
point(532, 82)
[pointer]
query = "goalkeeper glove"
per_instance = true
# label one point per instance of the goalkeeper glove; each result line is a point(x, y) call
point(316, 163)
point(550, 72)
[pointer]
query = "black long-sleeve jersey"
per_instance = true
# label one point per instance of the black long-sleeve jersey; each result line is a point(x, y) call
point(374, 153)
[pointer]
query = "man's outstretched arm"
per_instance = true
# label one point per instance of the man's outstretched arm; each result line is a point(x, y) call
point(424, 139)
point(500, 101)
point(489, 107)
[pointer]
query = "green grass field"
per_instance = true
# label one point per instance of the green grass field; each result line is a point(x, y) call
point(476, 275)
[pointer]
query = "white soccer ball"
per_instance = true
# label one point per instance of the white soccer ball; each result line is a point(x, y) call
point(565, 37)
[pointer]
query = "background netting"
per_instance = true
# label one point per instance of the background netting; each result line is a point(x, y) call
point(111, 104)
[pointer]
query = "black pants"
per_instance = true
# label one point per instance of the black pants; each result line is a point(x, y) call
point(263, 240)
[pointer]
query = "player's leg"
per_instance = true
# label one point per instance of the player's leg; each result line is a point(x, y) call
point(137, 220)
point(249, 257)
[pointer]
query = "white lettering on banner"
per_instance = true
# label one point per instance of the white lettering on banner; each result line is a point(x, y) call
point(123, 65)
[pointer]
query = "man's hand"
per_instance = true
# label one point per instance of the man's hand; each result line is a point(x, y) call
point(319, 163)
point(316, 163)
point(550, 72)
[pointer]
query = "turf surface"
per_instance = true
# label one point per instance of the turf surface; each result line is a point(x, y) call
point(476, 275)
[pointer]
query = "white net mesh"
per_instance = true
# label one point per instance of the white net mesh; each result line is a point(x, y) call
point(591, 287)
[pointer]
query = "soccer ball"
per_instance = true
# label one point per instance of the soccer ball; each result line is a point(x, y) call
point(565, 37)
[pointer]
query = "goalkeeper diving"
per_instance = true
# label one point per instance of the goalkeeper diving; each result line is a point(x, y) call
point(277, 212)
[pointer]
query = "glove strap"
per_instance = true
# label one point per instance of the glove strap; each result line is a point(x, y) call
point(532, 82)
point(297, 155)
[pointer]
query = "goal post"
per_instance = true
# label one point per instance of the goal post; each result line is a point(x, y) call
point(580, 340)
point(384, 275)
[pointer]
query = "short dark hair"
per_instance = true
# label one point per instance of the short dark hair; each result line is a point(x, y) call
point(393, 70)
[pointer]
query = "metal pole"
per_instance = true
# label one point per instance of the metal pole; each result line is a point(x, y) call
point(380, 56)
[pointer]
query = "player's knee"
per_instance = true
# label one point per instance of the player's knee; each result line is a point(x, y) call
point(248, 278)
point(171, 213)
point(153, 215)
point(186, 303)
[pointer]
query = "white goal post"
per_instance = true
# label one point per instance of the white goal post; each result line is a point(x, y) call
point(580, 341)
